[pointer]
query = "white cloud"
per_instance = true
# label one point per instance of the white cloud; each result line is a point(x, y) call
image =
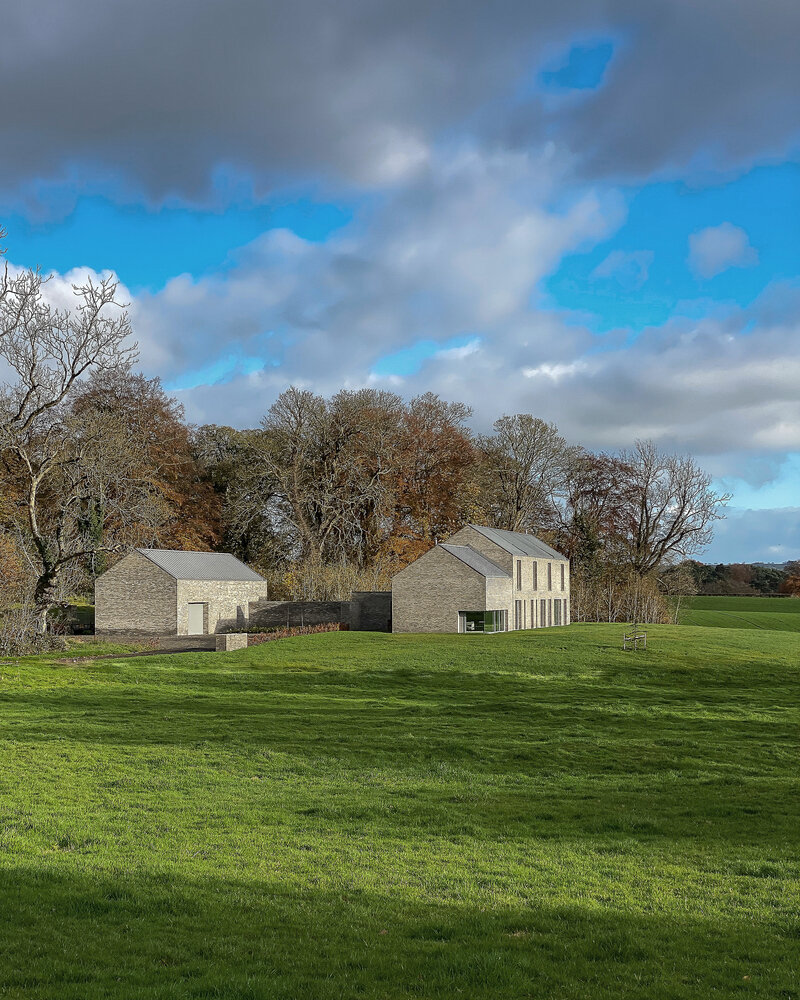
point(715, 249)
point(457, 252)
point(631, 268)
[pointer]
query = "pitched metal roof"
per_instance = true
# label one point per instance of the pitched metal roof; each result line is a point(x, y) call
point(201, 565)
point(475, 560)
point(518, 544)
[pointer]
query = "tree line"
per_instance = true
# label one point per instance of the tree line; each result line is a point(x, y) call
point(324, 495)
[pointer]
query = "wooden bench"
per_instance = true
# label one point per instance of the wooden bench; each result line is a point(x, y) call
point(634, 639)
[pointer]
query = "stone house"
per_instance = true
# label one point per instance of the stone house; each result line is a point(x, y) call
point(169, 592)
point(482, 580)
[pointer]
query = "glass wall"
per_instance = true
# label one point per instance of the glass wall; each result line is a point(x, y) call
point(482, 621)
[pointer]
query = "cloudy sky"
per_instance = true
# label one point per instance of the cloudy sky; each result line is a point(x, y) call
point(588, 210)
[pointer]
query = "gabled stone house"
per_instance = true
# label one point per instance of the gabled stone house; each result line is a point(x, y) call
point(168, 592)
point(482, 580)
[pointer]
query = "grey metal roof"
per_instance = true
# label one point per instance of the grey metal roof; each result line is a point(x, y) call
point(200, 565)
point(518, 544)
point(475, 560)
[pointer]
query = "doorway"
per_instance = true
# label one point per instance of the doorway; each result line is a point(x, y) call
point(197, 625)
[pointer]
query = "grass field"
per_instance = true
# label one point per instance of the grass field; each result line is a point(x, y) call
point(527, 815)
point(781, 614)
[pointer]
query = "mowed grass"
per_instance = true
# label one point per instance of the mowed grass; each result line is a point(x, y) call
point(780, 614)
point(528, 815)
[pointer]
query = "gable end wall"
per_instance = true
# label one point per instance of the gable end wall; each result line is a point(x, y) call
point(135, 596)
point(429, 593)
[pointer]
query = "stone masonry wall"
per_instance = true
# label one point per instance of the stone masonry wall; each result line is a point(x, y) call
point(371, 611)
point(227, 602)
point(274, 614)
point(135, 597)
point(429, 593)
point(534, 586)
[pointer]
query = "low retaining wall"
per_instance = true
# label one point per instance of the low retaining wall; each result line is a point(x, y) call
point(231, 640)
point(296, 614)
point(371, 611)
point(367, 611)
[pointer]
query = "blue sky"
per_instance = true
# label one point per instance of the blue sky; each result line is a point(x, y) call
point(588, 216)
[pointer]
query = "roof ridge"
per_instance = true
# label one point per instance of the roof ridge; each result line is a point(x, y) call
point(449, 547)
point(527, 541)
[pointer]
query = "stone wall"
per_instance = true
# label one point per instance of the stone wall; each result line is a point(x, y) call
point(367, 611)
point(429, 593)
point(227, 602)
point(371, 611)
point(534, 587)
point(135, 597)
point(233, 640)
point(274, 614)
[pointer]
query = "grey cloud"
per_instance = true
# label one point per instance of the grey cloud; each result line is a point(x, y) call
point(161, 94)
point(756, 536)
point(630, 268)
point(716, 248)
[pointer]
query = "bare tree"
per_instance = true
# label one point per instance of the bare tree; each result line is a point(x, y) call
point(671, 507)
point(526, 462)
point(328, 466)
point(56, 461)
point(676, 582)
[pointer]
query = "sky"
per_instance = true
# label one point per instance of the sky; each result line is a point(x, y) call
point(586, 211)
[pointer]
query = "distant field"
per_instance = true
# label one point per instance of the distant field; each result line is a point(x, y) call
point(781, 614)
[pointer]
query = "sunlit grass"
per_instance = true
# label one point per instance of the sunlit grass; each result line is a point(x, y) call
point(356, 815)
point(781, 614)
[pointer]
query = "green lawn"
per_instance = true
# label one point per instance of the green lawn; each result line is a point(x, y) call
point(529, 815)
point(774, 613)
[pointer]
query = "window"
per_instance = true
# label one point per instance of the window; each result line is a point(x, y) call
point(549, 576)
point(556, 612)
point(519, 574)
point(549, 612)
point(542, 613)
point(533, 614)
point(562, 576)
point(535, 575)
point(517, 614)
point(481, 621)
point(566, 613)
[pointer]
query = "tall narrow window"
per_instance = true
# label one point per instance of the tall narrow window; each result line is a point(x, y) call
point(549, 576)
point(542, 613)
point(550, 612)
point(557, 612)
point(535, 575)
point(517, 614)
point(519, 574)
point(533, 614)
point(562, 576)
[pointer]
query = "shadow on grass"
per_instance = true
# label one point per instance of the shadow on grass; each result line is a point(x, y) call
point(141, 937)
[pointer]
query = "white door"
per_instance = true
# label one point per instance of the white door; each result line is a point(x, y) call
point(196, 619)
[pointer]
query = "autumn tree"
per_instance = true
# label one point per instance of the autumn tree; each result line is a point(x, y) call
point(593, 514)
point(436, 484)
point(232, 462)
point(189, 508)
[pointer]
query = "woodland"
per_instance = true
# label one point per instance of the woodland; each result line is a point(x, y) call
point(323, 496)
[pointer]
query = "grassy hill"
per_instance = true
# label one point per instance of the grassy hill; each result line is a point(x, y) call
point(355, 815)
point(780, 614)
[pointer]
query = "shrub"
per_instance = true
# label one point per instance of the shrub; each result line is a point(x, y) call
point(256, 638)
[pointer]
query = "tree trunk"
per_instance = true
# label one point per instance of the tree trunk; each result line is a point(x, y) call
point(44, 598)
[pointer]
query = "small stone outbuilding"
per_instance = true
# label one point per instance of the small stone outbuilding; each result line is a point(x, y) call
point(483, 580)
point(170, 592)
